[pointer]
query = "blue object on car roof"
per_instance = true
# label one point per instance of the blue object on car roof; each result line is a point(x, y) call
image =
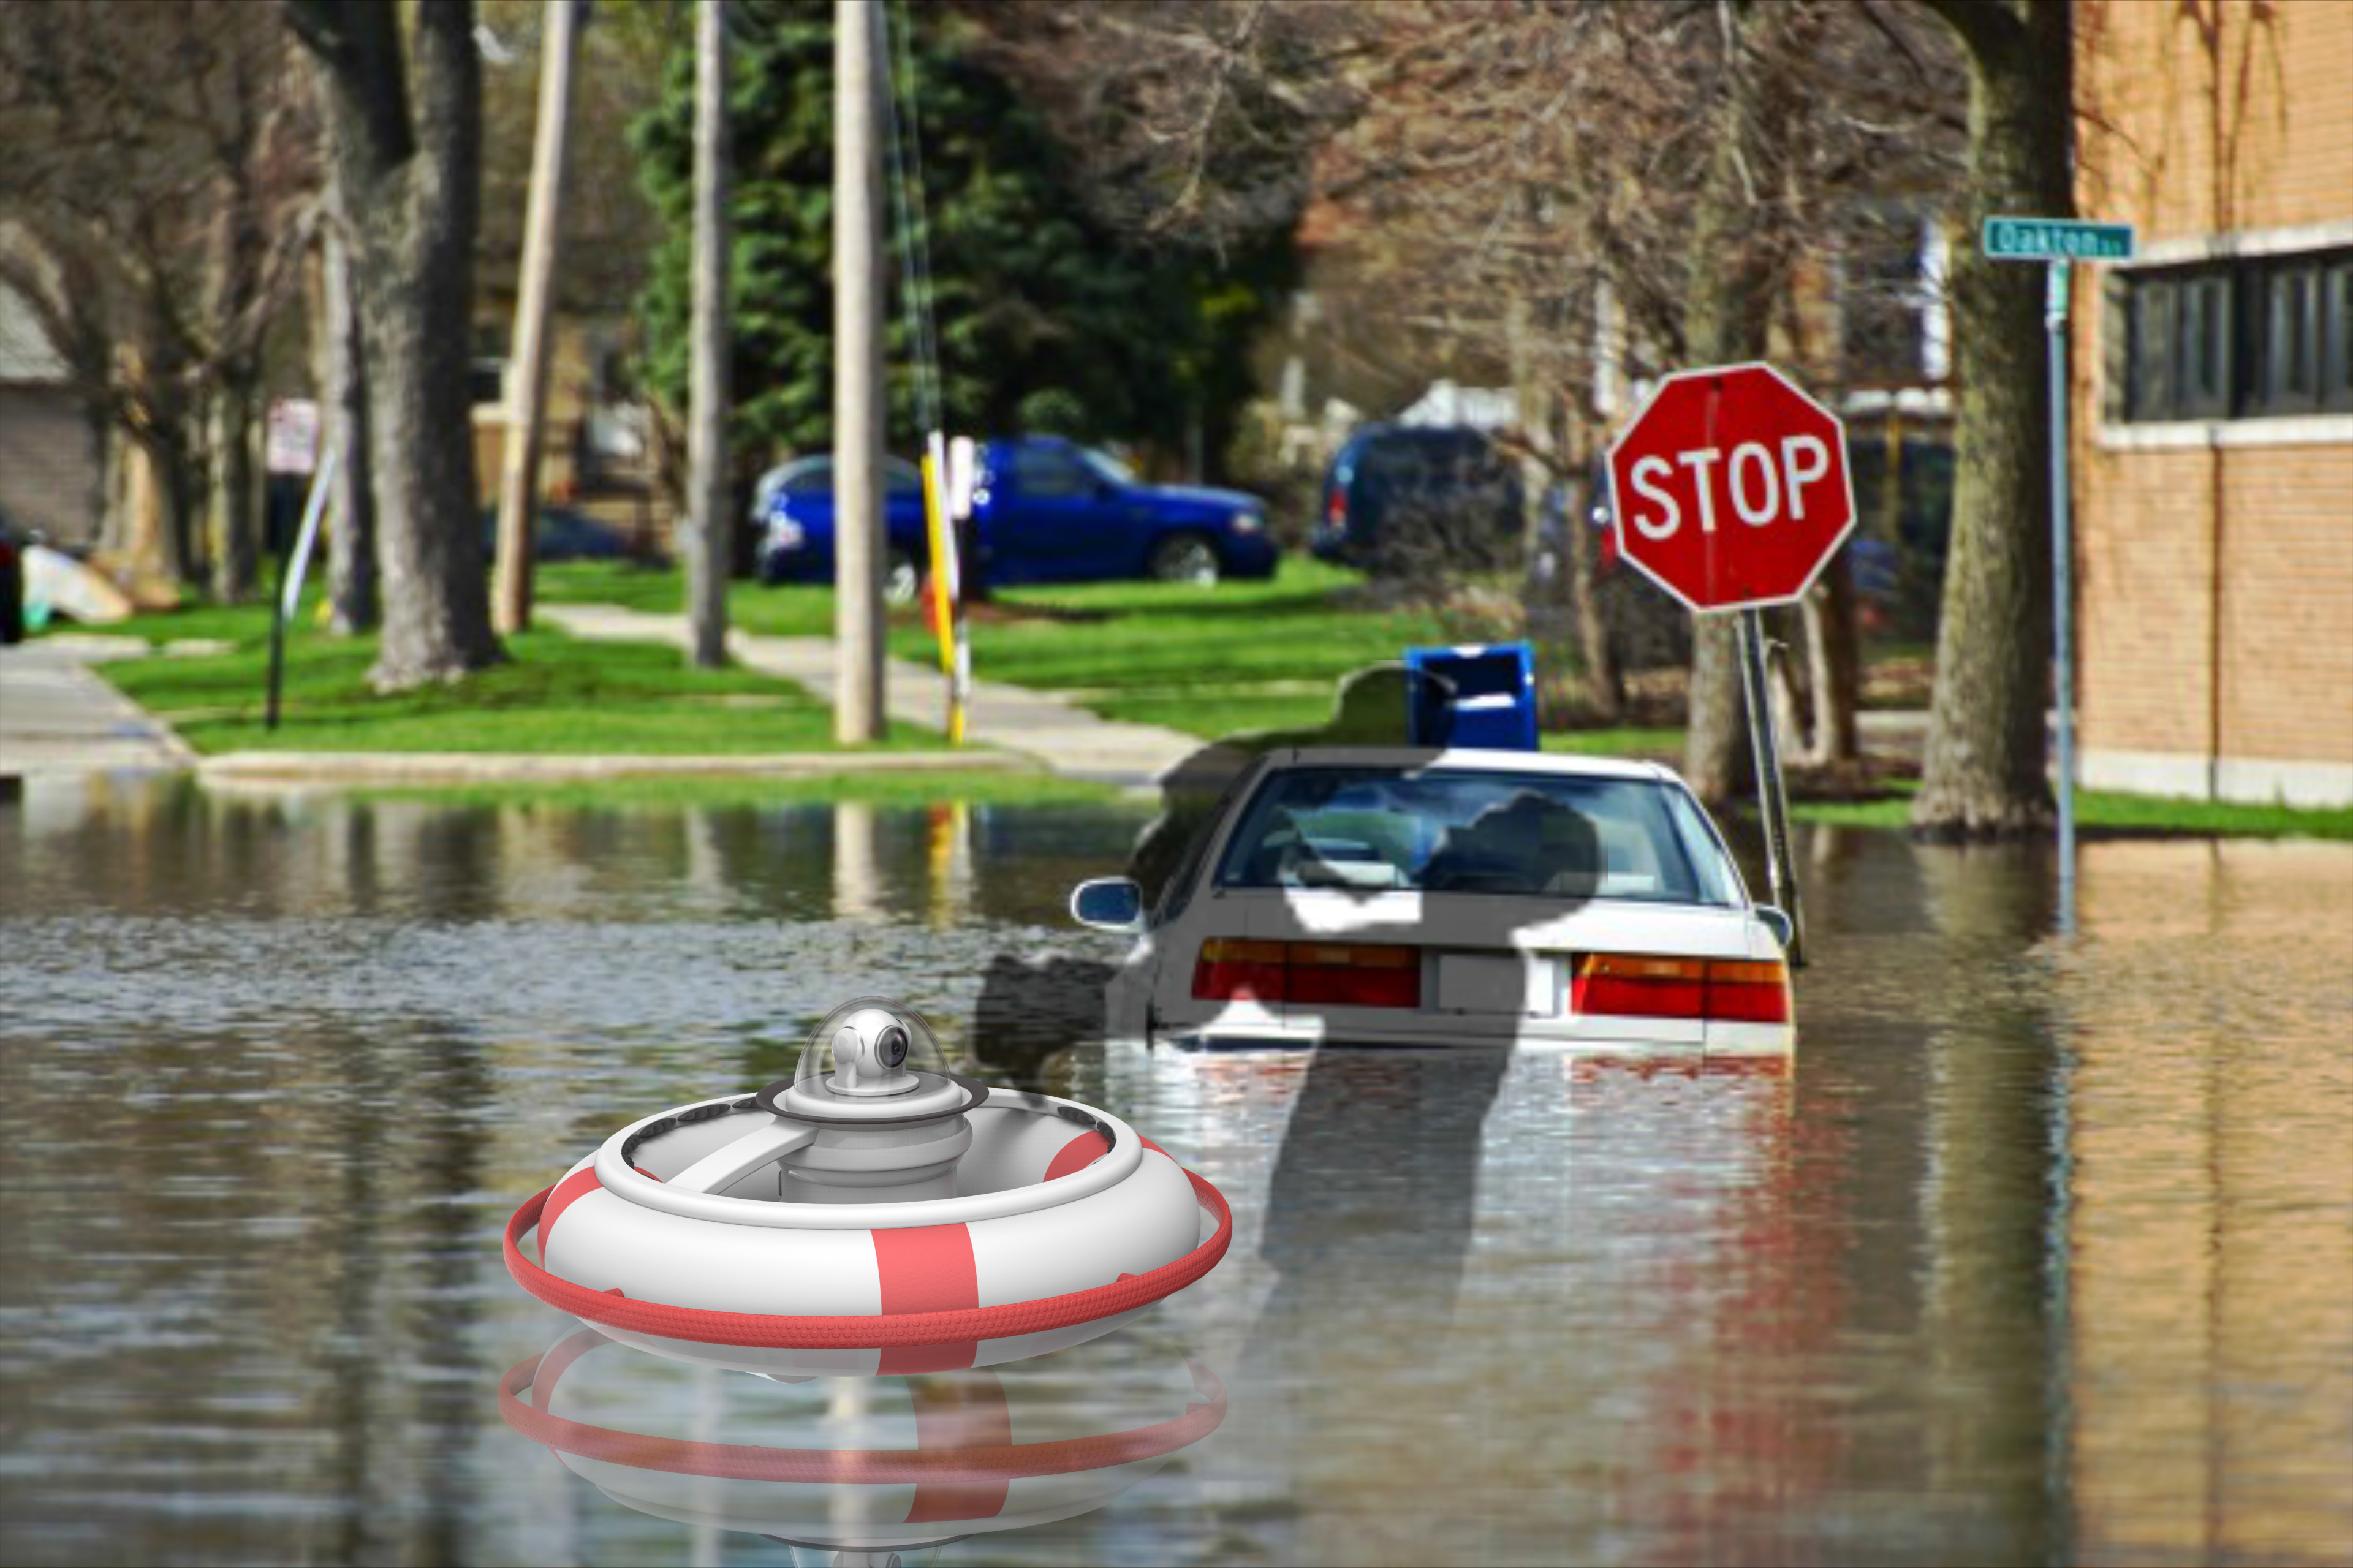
point(1485, 695)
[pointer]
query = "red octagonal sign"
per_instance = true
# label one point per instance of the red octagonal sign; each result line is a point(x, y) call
point(1730, 487)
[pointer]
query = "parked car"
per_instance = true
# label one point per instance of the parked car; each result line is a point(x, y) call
point(793, 508)
point(562, 534)
point(12, 582)
point(1397, 897)
point(1406, 499)
point(1045, 509)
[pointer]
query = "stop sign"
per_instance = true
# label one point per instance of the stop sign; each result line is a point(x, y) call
point(1730, 487)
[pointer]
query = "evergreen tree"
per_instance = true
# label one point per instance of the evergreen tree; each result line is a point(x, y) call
point(1047, 320)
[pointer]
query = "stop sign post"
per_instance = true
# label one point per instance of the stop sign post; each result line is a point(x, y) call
point(1730, 490)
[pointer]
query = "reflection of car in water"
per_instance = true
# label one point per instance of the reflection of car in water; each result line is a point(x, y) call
point(856, 1466)
point(1393, 897)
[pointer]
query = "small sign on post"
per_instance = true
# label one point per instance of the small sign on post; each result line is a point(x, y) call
point(2056, 240)
point(1730, 490)
point(2056, 243)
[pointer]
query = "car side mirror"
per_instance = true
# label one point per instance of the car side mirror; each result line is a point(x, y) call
point(1778, 922)
point(1109, 903)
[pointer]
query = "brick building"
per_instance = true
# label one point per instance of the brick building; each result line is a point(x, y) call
point(2213, 441)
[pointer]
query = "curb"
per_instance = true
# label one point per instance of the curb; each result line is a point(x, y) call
point(506, 767)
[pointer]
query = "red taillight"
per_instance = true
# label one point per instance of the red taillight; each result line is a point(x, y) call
point(1321, 973)
point(1336, 507)
point(1747, 992)
point(1239, 972)
point(1627, 986)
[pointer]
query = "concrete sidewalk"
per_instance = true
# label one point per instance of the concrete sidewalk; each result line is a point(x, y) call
point(58, 717)
point(1067, 738)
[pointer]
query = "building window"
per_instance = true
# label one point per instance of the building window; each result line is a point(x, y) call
point(2255, 338)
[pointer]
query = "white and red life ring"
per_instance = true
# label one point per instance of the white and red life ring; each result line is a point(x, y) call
point(910, 1462)
point(1064, 1224)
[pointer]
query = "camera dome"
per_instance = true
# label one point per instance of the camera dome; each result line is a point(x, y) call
point(876, 1057)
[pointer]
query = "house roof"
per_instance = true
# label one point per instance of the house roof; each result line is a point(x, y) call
point(25, 352)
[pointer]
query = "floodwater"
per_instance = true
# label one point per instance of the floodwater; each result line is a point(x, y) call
point(2040, 1251)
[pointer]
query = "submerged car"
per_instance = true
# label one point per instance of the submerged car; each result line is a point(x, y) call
point(1461, 897)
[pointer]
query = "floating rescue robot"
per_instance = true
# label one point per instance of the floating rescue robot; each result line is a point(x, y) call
point(877, 1214)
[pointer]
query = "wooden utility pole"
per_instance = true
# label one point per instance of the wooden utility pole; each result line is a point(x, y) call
point(706, 420)
point(527, 376)
point(858, 715)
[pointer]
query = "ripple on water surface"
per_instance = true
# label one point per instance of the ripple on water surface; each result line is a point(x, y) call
point(2037, 1251)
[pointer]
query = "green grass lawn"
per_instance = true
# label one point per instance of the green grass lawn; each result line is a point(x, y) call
point(1633, 741)
point(2098, 810)
point(555, 695)
point(1240, 656)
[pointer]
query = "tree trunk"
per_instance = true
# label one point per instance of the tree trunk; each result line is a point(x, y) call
point(534, 292)
point(1726, 315)
point(710, 508)
point(1834, 667)
point(232, 498)
point(1605, 686)
point(411, 187)
point(343, 418)
point(1983, 774)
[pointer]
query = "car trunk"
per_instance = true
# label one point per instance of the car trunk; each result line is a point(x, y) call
point(1487, 965)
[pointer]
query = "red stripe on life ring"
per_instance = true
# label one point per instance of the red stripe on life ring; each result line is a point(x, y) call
point(1077, 1155)
point(967, 1414)
point(881, 1330)
point(569, 1191)
point(927, 1268)
point(849, 1466)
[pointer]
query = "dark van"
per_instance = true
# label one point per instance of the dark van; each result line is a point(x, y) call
point(1405, 500)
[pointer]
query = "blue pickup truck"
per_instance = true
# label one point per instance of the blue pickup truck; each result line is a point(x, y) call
point(1045, 509)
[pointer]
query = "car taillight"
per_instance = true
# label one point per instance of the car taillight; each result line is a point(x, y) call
point(1335, 509)
point(1626, 985)
point(1239, 972)
point(1324, 974)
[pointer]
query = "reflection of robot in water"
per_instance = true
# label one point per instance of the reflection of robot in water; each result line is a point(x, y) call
point(866, 1470)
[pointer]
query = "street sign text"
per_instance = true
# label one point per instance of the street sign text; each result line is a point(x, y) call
point(2056, 240)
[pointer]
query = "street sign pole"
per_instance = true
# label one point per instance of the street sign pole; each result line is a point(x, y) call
point(1772, 798)
point(2055, 244)
point(2063, 589)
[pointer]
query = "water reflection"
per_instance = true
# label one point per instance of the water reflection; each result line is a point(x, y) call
point(2037, 1252)
point(851, 1470)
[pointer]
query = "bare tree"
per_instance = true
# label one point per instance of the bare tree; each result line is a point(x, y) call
point(339, 356)
point(160, 186)
point(1567, 192)
point(404, 136)
point(1984, 776)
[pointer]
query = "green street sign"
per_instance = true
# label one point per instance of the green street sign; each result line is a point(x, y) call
point(2056, 240)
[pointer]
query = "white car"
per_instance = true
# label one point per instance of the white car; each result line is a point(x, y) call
point(1389, 897)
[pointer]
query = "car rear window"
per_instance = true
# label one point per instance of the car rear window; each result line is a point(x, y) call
point(1459, 831)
